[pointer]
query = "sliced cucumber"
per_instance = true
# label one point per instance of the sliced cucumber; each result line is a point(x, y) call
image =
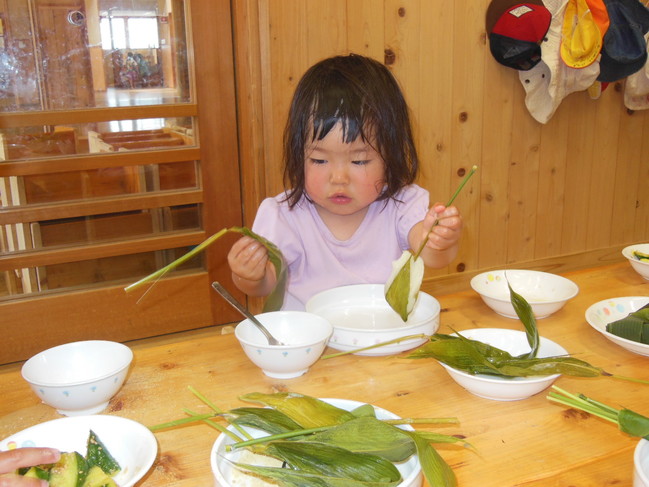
point(69, 471)
point(98, 478)
point(38, 472)
point(99, 455)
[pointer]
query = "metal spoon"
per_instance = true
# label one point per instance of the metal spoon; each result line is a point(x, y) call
point(236, 304)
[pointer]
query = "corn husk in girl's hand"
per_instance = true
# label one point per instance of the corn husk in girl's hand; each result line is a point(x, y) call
point(273, 302)
point(628, 421)
point(402, 288)
point(634, 327)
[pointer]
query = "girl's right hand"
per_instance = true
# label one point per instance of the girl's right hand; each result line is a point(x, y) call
point(248, 259)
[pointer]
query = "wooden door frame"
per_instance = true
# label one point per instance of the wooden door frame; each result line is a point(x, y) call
point(183, 300)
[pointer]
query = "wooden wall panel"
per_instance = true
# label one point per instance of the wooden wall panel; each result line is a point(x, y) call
point(561, 195)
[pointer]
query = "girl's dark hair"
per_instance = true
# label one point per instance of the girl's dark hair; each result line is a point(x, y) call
point(362, 94)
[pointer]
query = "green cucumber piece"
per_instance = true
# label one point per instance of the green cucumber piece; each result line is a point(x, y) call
point(98, 478)
point(97, 454)
point(69, 471)
point(37, 472)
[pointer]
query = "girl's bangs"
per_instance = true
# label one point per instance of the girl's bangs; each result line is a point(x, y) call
point(329, 109)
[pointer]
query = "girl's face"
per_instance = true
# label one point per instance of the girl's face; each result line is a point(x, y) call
point(342, 179)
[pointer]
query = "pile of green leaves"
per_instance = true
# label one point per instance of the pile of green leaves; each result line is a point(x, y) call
point(628, 421)
point(325, 446)
point(274, 301)
point(634, 327)
point(475, 357)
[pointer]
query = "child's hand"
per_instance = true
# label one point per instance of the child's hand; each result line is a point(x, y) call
point(446, 234)
point(248, 258)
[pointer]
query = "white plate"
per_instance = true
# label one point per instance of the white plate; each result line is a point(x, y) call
point(130, 443)
point(222, 467)
point(604, 312)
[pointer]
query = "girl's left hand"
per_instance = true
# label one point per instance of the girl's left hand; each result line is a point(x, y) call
point(446, 233)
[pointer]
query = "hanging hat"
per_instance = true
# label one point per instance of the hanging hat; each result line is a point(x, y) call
point(636, 88)
point(551, 80)
point(600, 15)
point(515, 31)
point(581, 40)
point(625, 49)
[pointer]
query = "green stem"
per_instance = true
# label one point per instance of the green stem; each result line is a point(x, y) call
point(183, 258)
point(382, 344)
point(218, 410)
point(584, 403)
point(217, 426)
point(180, 422)
point(279, 436)
point(630, 379)
point(450, 202)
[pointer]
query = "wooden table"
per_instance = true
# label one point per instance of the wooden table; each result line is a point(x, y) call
point(531, 442)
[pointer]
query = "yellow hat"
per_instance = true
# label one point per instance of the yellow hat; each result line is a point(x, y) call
point(581, 39)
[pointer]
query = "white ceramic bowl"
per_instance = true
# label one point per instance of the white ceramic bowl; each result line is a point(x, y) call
point(604, 312)
point(641, 464)
point(640, 266)
point(222, 467)
point(304, 334)
point(546, 293)
point(130, 443)
point(500, 388)
point(78, 378)
point(361, 317)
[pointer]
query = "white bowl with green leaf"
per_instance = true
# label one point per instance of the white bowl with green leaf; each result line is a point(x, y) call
point(546, 293)
point(638, 257)
point(500, 388)
point(361, 318)
point(607, 311)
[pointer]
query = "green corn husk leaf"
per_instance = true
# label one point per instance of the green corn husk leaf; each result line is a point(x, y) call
point(525, 314)
point(307, 411)
point(285, 477)
point(369, 435)
point(460, 353)
point(475, 357)
point(633, 423)
point(520, 367)
point(432, 437)
point(402, 288)
point(333, 461)
point(364, 411)
point(437, 472)
point(273, 302)
point(634, 326)
point(275, 299)
point(265, 419)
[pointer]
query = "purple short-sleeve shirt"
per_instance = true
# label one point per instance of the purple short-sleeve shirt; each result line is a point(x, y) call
point(318, 261)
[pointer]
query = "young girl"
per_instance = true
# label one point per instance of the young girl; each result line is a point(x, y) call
point(352, 207)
